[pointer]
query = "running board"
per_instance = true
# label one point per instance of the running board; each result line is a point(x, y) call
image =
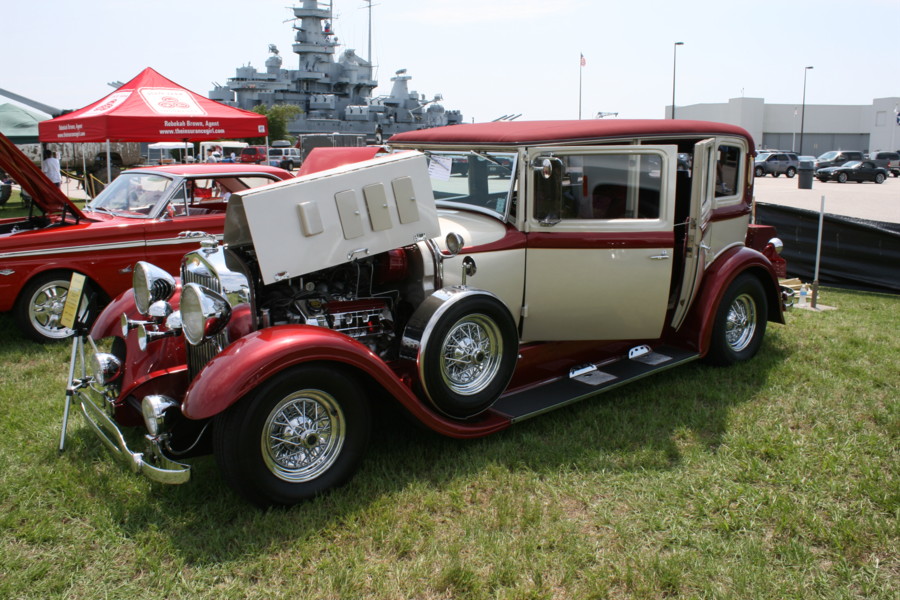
point(590, 380)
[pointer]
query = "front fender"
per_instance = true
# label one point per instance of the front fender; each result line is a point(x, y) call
point(256, 357)
point(701, 319)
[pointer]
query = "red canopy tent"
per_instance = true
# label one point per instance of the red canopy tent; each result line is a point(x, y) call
point(151, 108)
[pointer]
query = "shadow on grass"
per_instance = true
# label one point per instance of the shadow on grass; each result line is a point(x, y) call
point(631, 429)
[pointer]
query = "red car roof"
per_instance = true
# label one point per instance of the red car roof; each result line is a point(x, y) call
point(548, 132)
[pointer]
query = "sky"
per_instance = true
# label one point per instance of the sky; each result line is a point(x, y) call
point(487, 58)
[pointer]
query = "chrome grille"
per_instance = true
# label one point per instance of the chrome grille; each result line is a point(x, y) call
point(198, 356)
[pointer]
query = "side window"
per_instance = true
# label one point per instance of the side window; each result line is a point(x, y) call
point(728, 167)
point(601, 187)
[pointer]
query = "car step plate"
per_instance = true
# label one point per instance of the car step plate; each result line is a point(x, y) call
point(586, 382)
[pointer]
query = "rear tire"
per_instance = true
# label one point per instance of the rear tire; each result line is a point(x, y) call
point(298, 435)
point(740, 322)
point(879, 178)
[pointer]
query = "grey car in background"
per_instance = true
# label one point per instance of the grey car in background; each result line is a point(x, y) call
point(776, 163)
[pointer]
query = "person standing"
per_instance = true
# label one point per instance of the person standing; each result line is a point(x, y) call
point(50, 167)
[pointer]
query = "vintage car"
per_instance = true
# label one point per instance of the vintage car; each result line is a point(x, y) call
point(855, 170)
point(145, 214)
point(469, 298)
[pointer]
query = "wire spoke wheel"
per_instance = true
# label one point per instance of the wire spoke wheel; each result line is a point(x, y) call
point(740, 324)
point(303, 436)
point(470, 354)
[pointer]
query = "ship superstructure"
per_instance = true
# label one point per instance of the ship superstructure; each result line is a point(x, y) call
point(334, 95)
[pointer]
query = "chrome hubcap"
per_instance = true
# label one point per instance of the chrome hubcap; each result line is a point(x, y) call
point(46, 310)
point(470, 357)
point(740, 325)
point(303, 436)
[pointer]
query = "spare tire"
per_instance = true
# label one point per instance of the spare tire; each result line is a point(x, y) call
point(466, 350)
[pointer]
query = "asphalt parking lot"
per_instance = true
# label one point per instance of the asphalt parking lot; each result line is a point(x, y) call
point(876, 202)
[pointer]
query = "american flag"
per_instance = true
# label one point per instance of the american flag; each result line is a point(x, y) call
point(583, 62)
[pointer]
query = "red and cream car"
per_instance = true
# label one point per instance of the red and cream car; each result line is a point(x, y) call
point(566, 259)
point(144, 214)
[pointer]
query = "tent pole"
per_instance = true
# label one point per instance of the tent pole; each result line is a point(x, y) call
point(267, 151)
point(108, 164)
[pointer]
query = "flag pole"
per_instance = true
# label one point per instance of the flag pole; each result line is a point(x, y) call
point(581, 64)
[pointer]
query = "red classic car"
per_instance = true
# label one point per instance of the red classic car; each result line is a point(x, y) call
point(566, 259)
point(144, 214)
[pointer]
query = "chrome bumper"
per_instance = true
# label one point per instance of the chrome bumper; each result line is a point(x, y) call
point(156, 467)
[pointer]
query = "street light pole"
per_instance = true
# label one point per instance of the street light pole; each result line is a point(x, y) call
point(803, 108)
point(674, 64)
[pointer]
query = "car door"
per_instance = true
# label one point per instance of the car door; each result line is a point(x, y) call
point(599, 243)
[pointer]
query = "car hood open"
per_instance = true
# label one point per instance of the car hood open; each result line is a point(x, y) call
point(42, 191)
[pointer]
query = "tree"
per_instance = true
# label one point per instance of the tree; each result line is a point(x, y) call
point(279, 115)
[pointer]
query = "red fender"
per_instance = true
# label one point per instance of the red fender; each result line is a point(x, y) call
point(256, 357)
point(716, 279)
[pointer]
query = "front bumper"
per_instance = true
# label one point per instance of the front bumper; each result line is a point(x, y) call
point(154, 465)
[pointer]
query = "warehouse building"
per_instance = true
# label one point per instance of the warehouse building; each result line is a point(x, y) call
point(868, 128)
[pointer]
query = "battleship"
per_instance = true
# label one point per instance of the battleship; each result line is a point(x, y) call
point(335, 96)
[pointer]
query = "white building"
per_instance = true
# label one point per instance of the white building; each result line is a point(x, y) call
point(825, 127)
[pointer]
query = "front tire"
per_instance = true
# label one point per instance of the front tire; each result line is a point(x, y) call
point(740, 322)
point(791, 171)
point(759, 172)
point(38, 310)
point(300, 434)
point(842, 178)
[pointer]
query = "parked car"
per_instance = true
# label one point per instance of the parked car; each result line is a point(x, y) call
point(776, 163)
point(145, 214)
point(855, 170)
point(253, 154)
point(888, 160)
point(286, 158)
point(836, 158)
point(470, 302)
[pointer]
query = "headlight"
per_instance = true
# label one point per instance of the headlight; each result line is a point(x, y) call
point(151, 284)
point(204, 313)
point(105, 367)
point(154, 410)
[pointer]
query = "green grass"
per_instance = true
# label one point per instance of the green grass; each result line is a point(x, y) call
point(775, 479)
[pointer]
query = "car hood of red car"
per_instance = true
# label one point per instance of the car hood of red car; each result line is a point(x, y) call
point(24, 172)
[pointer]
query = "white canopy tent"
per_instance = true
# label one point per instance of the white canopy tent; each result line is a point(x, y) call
point(186, 148)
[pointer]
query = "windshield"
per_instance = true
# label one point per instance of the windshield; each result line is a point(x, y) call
point(132, 195)
point(828, 156)
point(474, 179)
point(852, 164)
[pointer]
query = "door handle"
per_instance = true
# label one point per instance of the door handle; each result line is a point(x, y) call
point(663, 256)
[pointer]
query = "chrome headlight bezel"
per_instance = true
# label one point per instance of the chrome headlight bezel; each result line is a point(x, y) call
point(204, 313)
point(105, 367)
point(151, 284)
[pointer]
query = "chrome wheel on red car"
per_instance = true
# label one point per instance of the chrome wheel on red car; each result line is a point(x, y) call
point(39, 309)
point(299, 434)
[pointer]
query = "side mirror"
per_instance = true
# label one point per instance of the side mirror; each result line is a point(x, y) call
point(547, 189)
